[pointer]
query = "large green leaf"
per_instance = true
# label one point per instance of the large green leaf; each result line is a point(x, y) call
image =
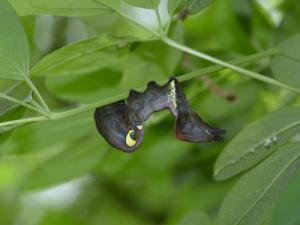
point(14, 50)
point(257, 141)
point(252, 198)
point(84, 56)
point(58, 8)
point(148, 4)
point(286, 64)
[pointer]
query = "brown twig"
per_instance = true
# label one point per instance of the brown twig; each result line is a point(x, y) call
point(214, 88)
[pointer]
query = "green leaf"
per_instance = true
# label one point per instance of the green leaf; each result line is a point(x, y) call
point(106, 82)
point(148, 4)
point(154, 60)
point(257, 141)
point(252, 198)
point(286, 64)
point(195, 6)
point(84, 56)
point(98, 85)
point(14, 50)
point(58, 8)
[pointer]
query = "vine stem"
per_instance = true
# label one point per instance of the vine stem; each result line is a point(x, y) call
point(23, 121)
point(185, 77)
point(37, 93)
point(159, 21)
point(181, 78)
point(238, 69)
point(17, 101)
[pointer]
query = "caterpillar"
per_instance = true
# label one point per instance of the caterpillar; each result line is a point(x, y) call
point(122, 123)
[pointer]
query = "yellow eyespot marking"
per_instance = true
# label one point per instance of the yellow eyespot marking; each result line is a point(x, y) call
point(139, 127)
point(172, 94)
point(131, 138)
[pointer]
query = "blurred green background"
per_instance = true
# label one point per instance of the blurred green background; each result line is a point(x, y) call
point(62, 172)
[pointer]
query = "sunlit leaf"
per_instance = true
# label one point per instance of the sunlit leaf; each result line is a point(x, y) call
point(257, 141)
point(253, 197)
point(14, 51)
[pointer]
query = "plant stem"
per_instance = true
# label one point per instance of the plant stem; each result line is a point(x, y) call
point(215, 68)
point(17, 101)
point(199, 54)
point(23, 121)
point(11, 88)
point(8, 128)
point(38, 95)
point(181, 78)
point(249, 73)
point(159, 21)
point(60, 115)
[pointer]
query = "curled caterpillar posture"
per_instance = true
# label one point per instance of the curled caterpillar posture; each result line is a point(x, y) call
point(122, 124)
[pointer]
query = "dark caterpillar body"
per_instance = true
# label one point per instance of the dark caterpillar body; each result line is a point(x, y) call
point(122, 124)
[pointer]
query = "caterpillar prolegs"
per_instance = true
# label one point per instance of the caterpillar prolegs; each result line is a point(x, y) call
point(122, 123)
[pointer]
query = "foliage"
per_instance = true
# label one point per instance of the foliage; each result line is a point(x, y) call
point(59, 60)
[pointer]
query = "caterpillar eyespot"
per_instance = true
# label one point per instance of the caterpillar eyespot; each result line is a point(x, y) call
point(189, 126)
point(131, 138)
